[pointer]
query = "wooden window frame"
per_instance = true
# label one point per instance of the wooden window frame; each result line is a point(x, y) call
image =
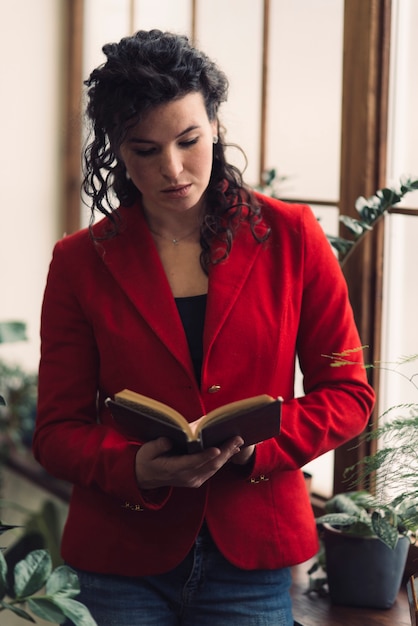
point(73, 69)
point(366, 58)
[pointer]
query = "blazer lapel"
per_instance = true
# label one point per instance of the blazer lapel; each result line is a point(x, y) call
point(226, 280)
point(132, 259)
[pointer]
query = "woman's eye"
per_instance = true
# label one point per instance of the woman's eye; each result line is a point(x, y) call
point(144, 153)
point(147, 152)
point(189, 142)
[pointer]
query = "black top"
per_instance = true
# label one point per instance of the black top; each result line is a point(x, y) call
point(192, 311)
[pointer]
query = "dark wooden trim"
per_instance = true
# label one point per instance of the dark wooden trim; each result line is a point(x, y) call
point(403, 211)
point(193, 26)
point(332, 204)
point(363, 161)
point(131, 16)
point(74, 19)
point(264, 88)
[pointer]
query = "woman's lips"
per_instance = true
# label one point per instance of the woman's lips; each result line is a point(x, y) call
point(177, 192)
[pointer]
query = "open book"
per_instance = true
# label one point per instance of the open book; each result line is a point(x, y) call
point(142, 419)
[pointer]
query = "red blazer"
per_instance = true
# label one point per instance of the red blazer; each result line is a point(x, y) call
point(109, 321)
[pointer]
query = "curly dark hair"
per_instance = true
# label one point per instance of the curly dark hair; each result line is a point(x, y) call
point(141, 72)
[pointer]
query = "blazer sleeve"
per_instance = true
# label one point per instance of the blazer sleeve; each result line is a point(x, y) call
point(69, 440)
point(338, 400)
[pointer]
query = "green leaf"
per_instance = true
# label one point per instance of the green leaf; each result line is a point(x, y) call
point(73, 610)
point(357, 227)
point(337, 519)
point(12, 331)
point(268, 176)
point(318, 585)
point(370, 213)
point(32, 573)
point(413, 184)
point(76, 612)
point(3, 574)
point(390, 196)
point(340, 244)
point(17, 611)
point(343, 503)
point(47, 609)
point(63, 581)
point(385, 531)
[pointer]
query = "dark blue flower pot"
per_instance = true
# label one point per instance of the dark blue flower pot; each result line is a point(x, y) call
point(363, 571)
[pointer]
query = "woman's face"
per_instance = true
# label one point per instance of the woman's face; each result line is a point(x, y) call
point(169, 154)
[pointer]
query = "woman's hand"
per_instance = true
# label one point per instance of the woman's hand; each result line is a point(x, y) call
point(244, 456)
point(156, 467)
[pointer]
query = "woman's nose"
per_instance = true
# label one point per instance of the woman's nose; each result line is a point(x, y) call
point(171, 164)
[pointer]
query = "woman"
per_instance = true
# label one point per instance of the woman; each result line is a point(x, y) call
point(196, 291)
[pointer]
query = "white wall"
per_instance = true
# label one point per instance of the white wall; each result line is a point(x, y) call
point(304, 104)
point(30, 134)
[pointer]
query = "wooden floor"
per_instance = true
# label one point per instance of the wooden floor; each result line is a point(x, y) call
point(311, 610)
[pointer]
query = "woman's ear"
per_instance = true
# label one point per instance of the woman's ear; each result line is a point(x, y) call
point(215, 125)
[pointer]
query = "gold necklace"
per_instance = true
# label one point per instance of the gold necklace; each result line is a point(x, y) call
point(175, 240)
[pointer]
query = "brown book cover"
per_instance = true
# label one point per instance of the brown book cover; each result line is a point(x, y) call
point(143, 419)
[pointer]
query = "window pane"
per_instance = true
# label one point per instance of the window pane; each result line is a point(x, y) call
point(238, 51)
point(403, 119)
point(400, 295)
point(163, 14)
point(305, 89)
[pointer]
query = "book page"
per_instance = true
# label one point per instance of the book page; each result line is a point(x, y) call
point(150, 406)
point(232, 408)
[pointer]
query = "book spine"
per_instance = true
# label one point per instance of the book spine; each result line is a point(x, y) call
point(194, 446)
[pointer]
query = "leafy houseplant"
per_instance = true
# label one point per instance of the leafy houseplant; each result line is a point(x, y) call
point(358, 528)
point(365, 547)
point(20, 589)
point(361, 514)
point(393, 468)
point(370, 210)
point(22, 579)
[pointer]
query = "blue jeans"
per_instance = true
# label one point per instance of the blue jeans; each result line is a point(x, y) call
point(204, 590)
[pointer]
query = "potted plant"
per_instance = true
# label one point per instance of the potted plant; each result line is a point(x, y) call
point(367, 538)
point(392, 471)
point(365, 543)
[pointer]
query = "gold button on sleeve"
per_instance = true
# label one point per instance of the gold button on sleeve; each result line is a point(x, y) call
point(132, 507)
point(214, 388)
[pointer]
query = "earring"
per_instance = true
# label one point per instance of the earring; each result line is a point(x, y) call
point(215, 139)
point(128, 177)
